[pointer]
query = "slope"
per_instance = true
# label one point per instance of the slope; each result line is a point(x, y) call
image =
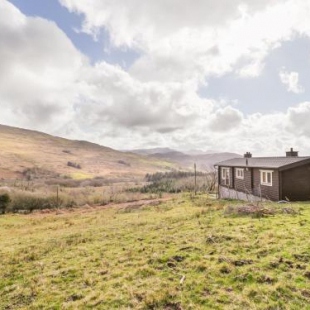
point(204, 161)
point(21, 149)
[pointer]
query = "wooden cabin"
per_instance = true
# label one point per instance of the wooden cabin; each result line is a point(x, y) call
point(272, 178)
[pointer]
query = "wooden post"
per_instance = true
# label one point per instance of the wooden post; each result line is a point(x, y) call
point(195, 179)
point(57, 197)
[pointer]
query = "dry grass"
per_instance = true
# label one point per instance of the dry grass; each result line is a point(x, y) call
point(181, 254)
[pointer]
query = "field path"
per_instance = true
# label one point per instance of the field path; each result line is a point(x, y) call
point(126, 206)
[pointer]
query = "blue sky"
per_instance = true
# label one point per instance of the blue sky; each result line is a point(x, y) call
point(208, 76)
point(273, 95)
point(71, 23)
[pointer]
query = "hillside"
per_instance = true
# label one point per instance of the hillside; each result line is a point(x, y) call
point(22, 149)
point(158, 150)
point(204, 161)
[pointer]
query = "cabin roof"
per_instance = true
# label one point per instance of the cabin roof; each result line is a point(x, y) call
point(280, 163)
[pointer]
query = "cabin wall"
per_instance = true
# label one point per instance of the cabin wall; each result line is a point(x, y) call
point(251, 184)
point(230, 193)
point(292, 184)
point(266, 191)
point(296, 183)
point(244, 185)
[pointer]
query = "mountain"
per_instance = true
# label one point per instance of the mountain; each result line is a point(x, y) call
point(159, 150)
point(204, 161)
point(199, 152)
point(22, 149)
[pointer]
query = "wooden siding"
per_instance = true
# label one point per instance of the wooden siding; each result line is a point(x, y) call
point(265, 191)
point(244, 185)
point(293, 184)
point(296, 183)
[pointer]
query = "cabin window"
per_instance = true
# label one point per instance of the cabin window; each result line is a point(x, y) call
point(266, 177)
point(240, 173)
point(225, 176)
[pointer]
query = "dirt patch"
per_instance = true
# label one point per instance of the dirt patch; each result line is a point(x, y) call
point(126, 206)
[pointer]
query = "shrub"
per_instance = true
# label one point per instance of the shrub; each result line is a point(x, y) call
point(179, 181)
point(4, 202)
point(64, 182)
point(122, 162)
point(36, 173)
point(29, 202)
point(74, 165)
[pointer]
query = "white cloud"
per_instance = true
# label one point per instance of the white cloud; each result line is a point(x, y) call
point(298, 119)
point(211, 40)
point(38, 68)
point(291, 80)
point(225, 119)
point(51, 86)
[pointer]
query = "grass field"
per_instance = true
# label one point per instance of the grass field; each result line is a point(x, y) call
point(181, 254)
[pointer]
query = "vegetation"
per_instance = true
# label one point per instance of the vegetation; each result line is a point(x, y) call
point(187, 253)
point(74, 165)
point(178, 181)
point(26, 197)
point(177, 174)
point(4, 202)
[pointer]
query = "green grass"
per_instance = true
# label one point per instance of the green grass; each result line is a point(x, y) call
point(183, 254)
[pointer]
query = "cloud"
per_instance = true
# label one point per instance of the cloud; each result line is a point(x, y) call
point(298, 119)
point(38, 68)
point(291, 80)
point(58, 90)
point(225, 119)
point(211, 40)
point(51, 86)
point(136, 22)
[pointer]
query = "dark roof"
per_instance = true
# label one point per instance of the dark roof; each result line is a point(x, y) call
point(280, 163)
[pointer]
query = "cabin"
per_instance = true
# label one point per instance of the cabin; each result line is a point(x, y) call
point(261, 178)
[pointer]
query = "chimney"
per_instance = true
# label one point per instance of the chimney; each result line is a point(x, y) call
point(247, 155)
point(292, 153)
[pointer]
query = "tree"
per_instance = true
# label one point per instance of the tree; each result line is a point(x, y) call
point(4, 202)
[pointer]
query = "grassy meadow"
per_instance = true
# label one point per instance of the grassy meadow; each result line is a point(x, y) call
point(182, 253)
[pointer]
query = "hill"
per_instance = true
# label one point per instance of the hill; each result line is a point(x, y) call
point(158, 150)
point(204, 161)
point(23, 149)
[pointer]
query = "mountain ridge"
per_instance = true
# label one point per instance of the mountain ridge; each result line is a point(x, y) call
point(204, 161)
point(23, 149)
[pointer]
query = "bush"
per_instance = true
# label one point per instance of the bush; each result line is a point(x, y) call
point(64, 182)
point(29, 202)
point(4, 202)
point(36, 173)
point(74, 165)
point(174, 175)
point(122, 162)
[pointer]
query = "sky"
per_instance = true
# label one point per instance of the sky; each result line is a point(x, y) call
point(225, 75)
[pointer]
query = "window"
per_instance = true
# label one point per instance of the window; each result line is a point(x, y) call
point(239, 173)
point(225, 176)
point(266, 177)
